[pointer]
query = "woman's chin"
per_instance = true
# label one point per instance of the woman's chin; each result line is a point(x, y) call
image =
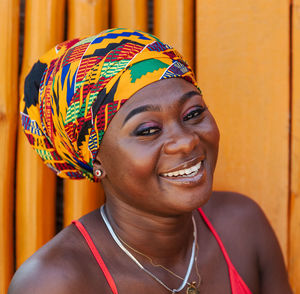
point(186, 202)
point(190, 192)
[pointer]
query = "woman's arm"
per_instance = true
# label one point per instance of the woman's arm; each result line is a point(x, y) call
point(34, 277)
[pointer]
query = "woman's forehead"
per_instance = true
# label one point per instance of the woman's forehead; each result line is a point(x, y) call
point(161, 92)
point(157, 96)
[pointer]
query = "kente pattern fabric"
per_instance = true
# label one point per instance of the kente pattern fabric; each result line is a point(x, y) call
point(238, 286)
point(74, 90)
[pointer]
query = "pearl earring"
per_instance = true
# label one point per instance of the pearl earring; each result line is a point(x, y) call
point(98, 173)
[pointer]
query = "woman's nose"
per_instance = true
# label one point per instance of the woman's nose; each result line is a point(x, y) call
point(181, 141)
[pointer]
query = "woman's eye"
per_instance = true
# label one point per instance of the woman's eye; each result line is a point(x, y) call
point(194, 113)
point(147, 131)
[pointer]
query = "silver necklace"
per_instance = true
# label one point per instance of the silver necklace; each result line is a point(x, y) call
point(119, 243)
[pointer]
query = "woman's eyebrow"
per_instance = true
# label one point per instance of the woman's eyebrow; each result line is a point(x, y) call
point(188, 95)
point(140, 109)
point(150, 107)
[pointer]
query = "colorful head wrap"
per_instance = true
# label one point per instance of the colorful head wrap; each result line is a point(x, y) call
point(74, 90)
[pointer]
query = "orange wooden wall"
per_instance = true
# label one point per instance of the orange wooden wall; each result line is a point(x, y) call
point(242, 54)
point(9, 28)
point(294, 219)
point(246, 55)
point(35, 183)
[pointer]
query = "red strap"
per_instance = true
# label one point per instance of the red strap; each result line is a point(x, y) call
point(212, 229)
point(96, 254)
point(238, 286)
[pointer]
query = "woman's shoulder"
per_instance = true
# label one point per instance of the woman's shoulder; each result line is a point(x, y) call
point(53, 268)
point(234, 214)
point(233, 207)
point(231, 200)
point(249, 240)
point(63, 265)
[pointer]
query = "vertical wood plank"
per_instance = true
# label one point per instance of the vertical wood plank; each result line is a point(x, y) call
point(174, 24)
point(81, 197)
point(85, 18)
point(294, 234)
point(9, 30)
point(130, 14)
point(243, 69)
point(36, 184)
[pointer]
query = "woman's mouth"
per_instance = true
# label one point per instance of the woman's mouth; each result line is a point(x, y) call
point(187, 172)
point(191, 176)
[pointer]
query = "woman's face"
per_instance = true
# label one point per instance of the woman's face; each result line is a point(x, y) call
point(160, 150)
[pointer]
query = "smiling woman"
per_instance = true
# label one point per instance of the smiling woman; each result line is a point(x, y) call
point(165, 144)
point(124, 109)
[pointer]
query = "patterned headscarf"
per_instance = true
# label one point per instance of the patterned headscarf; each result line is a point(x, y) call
point(74, 90)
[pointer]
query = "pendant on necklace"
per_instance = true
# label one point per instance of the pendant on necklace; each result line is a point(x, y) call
point(192, 289)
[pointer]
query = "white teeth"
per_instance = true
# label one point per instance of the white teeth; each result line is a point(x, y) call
point(187, 171)
point(193, 168)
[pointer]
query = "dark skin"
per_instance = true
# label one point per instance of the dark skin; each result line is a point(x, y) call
point(152, 212)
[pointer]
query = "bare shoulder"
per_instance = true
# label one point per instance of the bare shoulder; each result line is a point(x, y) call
point(229, 202)
point(52, 269)
point(248, 236)
point(237, 216)
point(240, 216)
point(60, 266)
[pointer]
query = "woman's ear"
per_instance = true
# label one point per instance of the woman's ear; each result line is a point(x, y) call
point(98, 171)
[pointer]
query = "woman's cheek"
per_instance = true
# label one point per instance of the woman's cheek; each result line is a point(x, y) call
point(208, 132)
point(140, 158)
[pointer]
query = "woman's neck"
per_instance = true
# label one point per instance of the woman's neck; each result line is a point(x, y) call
point(166, 240)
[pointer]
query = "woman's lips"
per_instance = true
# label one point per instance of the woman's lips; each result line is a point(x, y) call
point(191, 176)
point(184, 172)
point(185, 165)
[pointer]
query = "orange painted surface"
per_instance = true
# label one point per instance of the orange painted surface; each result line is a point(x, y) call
point(81, 198)
point(131, 14)
point(85, 18)
point(174, 24)
point(242, 61)
point(294, 237)
point(36, 184)
point(9, 30)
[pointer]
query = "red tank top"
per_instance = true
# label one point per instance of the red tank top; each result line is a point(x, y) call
point(237, 284)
